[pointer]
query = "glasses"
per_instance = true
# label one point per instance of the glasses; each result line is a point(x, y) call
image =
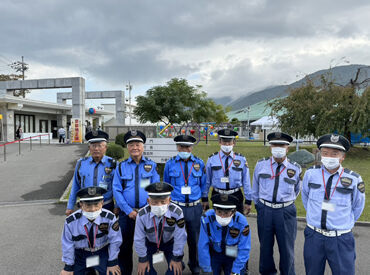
point(99, 146)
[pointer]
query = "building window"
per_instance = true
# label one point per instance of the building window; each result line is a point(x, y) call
point(27, 123)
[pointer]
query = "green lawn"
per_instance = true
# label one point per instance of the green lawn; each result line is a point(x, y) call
point(357, 159)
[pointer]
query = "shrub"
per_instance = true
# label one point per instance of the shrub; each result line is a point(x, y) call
point(115, 151)
point(119, 140)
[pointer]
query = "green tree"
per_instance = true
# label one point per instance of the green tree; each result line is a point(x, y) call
point(177, 102)
point(361, 115)
point(310, 110)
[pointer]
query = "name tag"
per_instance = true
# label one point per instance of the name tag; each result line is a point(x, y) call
point(92, 261)
point(144, 183)
point(186, 190)
point(231, 251)
point(158, 257)
point(225, 179)
point(328, 206)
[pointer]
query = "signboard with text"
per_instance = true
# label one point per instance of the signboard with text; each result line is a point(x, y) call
point(76, 130)
point(160, 150)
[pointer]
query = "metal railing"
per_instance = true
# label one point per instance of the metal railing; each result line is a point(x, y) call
point(23, 139)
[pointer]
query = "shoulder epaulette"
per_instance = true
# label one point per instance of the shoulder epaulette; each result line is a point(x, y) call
point(314, 167)
point(73, 217)
point(266, 158)
point(215, 153)
point(239, 154)
point(144, 210)
point(294, 163)
point(178, 211)
point(106, 214)
point(353, 173)
point(171, 207)
point(212, 218)
point(84, 158)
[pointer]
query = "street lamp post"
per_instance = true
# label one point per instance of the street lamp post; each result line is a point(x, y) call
point(129, 88)
point(248, 110)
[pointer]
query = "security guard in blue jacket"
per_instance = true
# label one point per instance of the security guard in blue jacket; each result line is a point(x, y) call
point(334, 198)
point(91, 237)
point(160, 232)
point(224, 241)
point(96, 170)
point(186, 173)
point(227, 172)
point(130, 179)
point(276, 185)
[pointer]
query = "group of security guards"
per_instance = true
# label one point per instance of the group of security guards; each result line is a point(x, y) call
point(159, 217)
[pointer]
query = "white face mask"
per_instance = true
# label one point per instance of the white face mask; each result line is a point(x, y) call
point(278, 152)
point(159, 210)
point(227, 148)
point(330, 163)
point(223, 221)
point(91, 215)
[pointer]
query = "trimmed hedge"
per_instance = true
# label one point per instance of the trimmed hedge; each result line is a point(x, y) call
point(115, 151)
point(119, 140)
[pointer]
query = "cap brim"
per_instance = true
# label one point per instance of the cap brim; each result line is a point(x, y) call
point(159, 194)
point(135, 139)
point(92, 199)
point(285, 142)
point(184, 143)
point(224, 206)
point(93, 140)
point(334, 146)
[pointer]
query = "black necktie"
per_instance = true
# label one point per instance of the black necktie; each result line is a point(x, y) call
point(324, 213)
point(160, 229)
point(95, 183)
point(227, 172)
point(137, 195)
point(276, 186)
point(223, 240)
point(91, 235)
point(187, 180)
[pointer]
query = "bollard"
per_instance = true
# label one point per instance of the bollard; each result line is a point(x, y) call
point(49, 137)
point(40, 140)
point(19, 147)
point(4, 152)
point(30, 143)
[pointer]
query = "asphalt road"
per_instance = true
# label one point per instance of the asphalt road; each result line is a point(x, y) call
point(31, 223)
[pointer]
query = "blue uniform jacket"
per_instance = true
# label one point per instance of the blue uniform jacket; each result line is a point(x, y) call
point(173, 174)
point(238, 173)
point(74, 235)
point(130, 178)
point(174, 228)
point(211, 236)
point(263, 183)
point(348, 197)
point(88, 173)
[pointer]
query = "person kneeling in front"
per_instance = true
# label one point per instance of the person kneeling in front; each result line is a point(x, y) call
point(224, 241)
point(160, 232)
point(91, 237)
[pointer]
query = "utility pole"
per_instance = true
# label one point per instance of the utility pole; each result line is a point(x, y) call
point(22, 67)
point(129, 88)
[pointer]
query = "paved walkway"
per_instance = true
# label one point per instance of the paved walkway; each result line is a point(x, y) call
point(40, 174)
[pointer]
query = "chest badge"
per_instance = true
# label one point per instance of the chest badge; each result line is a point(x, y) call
point(246, 231)
point(196, 167)
point(291, 173)
point(237, 163)
point(346, 182)
point(148, 167)
point(108, 170)
point(234, 232)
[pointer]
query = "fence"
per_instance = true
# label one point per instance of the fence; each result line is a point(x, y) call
point(24, 139)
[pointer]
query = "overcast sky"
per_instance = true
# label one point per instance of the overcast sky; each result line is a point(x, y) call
point(228, 47)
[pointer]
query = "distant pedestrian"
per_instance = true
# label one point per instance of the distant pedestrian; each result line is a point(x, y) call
point(62, 134)
point(19, 132)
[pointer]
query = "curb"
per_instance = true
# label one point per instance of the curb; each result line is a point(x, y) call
point(64, 197)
